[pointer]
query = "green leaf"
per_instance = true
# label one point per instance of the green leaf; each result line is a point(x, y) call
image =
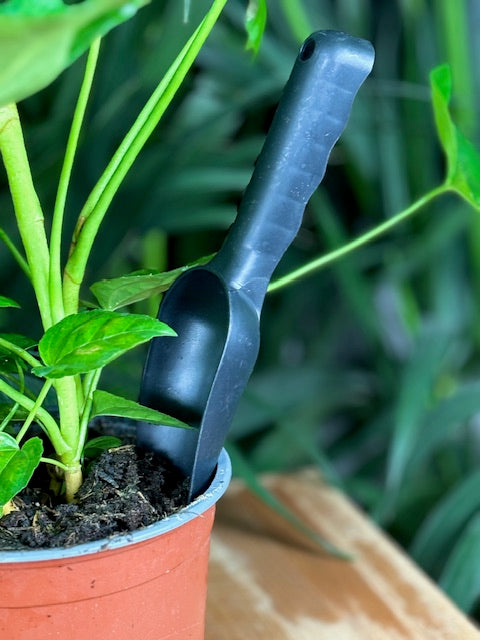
point(89, 340)
point(8, 302)
point(8, 448)
point(107, 404)
point(441, 88)
point(463, 159)
point(444, 524)
point(38, 40)
point(139, 285)
point(442, 420)
point(96, 446)
point(414, 396)
point(19, 469)
point(255, 21)
point(461, 577)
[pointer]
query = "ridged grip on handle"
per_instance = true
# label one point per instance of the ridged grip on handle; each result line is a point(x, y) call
point(312, 113)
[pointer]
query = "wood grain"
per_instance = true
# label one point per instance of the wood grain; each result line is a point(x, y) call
point(268, 582)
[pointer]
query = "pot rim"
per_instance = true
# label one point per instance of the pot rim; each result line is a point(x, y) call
point(196, 508)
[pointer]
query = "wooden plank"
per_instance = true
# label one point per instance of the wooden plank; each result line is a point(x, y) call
point(268, 583)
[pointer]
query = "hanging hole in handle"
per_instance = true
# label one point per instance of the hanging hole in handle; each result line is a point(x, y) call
point(307, 49)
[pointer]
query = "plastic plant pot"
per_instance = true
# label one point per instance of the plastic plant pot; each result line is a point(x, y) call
point(148, 584)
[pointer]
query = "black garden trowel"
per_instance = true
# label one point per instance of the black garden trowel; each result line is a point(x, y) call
point(200, 375)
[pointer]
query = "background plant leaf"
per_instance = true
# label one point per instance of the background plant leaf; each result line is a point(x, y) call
point(108, 404)
point(38, 40)
point(248, 475)
point(414, 393)
point(17, 473)
point(461, 577)
point(444, 524)
point(463, 159)
point(115, 293)
point(91, 339)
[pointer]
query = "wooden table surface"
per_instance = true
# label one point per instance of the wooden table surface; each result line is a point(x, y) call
point(267, 582)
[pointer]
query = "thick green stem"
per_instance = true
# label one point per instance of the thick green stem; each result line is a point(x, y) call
point(68, 408)
point(55, 285)
point(362, 240)
point(27, 206)
point(68, 405)
point(73, 482)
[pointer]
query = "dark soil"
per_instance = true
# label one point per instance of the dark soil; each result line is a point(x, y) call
point(125, 489)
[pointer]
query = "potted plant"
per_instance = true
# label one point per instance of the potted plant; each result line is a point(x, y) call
point(83, 584)
point(103, 583)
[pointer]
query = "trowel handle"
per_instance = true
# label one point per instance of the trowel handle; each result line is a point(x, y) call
point(312, 113)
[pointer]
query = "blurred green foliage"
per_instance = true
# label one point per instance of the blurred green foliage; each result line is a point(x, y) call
point(370, 368)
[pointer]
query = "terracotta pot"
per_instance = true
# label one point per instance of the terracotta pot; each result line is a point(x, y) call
point(146, 585)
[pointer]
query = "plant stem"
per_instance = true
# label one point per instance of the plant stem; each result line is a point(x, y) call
point(9, 416)
point(55, 463)
point(22, 263)
point(362, 240)
point(51, 427)
point(21, 353)
point(27, 206)
point(68, 407)
point(102, 194)
point(33, 411)
point(73, 481)
point(92, 383)
point(55, 284)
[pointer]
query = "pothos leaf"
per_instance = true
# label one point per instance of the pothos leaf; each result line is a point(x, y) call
point(8, 448)
point(107, 404)
point(89, 340)
point(96, 446)
point(38, 40)
point(19, 468)
point(139, 285)
point(255, 21)
point(463, 160)
point(8, 302)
